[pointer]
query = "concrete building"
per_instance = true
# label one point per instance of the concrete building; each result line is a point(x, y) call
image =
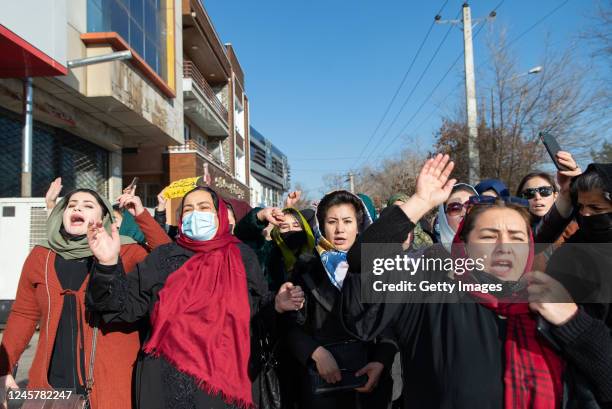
point(270, 173)
point(83, 117)
point(216, 118)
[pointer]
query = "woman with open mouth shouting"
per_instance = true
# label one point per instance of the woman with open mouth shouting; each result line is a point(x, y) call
point(52, 291)
point(509, 349)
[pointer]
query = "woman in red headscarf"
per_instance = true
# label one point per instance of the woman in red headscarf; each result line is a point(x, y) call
point(489, 335)
point(202, 295)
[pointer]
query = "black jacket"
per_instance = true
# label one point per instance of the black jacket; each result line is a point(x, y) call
point(319, 322)
point(131, 297)
point(452, 352)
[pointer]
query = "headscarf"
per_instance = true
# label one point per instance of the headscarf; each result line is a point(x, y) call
point(130, 228)
point(397, 197)
point(369, 205)
point(594, 228)
point(71, 248)
point(420, 239)
point(201, 322)
point(290, 256)
point(334, 260)
point(447, 234)
point(240, 207)
point(492, 184)
point(533, 370)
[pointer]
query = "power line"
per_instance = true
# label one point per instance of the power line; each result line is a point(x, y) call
point(433, 90)
point(411, 91)
point(516, 39)
point(384, 116)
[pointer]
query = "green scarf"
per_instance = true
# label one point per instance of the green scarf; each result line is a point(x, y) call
point(288, 256)
point(74, 249)
point(130, 228)
point(402, 197)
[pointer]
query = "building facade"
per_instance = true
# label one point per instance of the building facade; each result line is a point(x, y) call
point(84, 117)
point(270, 173)
point(216, 117)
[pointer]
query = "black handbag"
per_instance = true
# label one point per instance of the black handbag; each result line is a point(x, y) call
point(350, 356)
point(267, 381)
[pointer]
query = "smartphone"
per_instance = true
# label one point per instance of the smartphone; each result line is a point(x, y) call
point(552, 146)
point(132, 184)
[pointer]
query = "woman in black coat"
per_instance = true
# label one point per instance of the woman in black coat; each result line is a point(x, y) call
point(477, 350)
point(202, 295)
point(314, 337)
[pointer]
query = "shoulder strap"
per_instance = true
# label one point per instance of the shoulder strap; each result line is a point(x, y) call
point(92, 357)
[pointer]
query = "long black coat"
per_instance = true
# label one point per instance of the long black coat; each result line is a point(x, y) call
point(452, 353)
point(131, 297)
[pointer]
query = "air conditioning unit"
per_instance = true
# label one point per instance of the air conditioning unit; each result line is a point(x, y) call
point(22, 226)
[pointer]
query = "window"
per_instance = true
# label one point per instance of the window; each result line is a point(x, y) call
point(140, 22)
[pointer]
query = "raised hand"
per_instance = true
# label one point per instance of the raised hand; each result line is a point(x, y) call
point(53, 193)
point(433, 187)
point(105, 247)
point(289, 298)
point(564, 177)
point(272, 215)
point(293, 198)
point(161, 201)
point(131, 203)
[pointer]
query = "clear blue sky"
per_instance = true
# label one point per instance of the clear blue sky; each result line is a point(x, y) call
point(320, 73)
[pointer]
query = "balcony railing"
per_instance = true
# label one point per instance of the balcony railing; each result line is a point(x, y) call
point(193, 146)
point(191, 71)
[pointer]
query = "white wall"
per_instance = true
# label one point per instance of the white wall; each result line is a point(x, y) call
point(41, 23)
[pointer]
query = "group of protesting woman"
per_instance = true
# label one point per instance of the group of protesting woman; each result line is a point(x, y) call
point(264, 307)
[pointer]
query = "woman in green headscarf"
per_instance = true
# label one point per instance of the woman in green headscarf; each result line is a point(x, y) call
point(52, 291)
point(290, 237)
point(418, 238)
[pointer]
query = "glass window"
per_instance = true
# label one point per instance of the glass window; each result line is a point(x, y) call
point(139, 22)
point(151, 55)
point(137, 11)
point(136, 38)
point(120, 20)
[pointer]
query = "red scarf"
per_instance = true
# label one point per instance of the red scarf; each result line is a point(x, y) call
point(202, 319)
point(533, 372)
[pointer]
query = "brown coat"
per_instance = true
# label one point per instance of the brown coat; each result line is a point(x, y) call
point(40, 300)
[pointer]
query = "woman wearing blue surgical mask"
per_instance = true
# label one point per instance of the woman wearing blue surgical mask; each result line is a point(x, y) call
point(202, 296)
point(336, 370)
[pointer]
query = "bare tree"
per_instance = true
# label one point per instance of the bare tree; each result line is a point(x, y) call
point(393, 175)
point(516, 107)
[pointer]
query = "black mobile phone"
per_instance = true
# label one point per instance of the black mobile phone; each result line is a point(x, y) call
point(552, 146)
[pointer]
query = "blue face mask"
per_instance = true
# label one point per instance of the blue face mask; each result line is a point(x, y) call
point(200, 226)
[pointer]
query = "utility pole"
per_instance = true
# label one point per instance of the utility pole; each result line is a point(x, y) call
point(26, 157)
point(351, 180)
point(470, 88)
point(470, 97)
